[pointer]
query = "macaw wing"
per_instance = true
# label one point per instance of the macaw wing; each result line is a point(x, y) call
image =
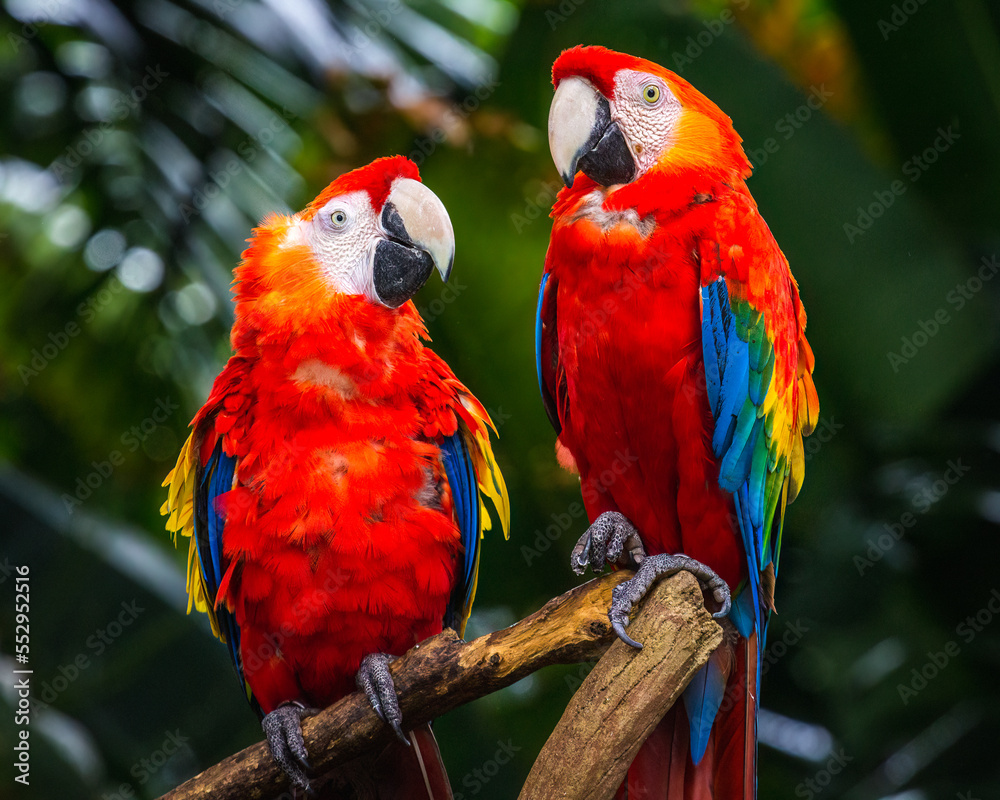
point(473, 475)
point(194, 489)
point(465, 501)
point(547, 348)
point(758, 377)
point(752, 327)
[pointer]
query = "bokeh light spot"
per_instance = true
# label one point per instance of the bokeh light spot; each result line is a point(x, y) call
point(104, 250)
point(141, 270)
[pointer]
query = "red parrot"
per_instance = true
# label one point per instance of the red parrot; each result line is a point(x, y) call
point(674, 366)
point(332, 487)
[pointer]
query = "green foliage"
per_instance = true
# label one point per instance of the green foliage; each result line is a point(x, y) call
point(121, 219)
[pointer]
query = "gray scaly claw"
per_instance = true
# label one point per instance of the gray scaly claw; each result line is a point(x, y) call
point(625, 595)
point(283, 729)
point(605, 542)
point(374, 680)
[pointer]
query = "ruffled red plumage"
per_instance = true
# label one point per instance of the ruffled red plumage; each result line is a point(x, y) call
point(335, 552)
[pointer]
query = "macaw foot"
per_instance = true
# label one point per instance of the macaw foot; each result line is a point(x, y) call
point(283, 729)
point(374, 680)
point(605, 541)
point(625, 595)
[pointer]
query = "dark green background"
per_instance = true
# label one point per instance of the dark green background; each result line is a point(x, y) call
point(274, 107)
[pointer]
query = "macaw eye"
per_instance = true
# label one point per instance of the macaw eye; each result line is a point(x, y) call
point(339, 218)
point(651, 93)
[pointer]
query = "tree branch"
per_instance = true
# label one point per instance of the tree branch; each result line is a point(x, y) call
point(444, 673)
point(626, 695)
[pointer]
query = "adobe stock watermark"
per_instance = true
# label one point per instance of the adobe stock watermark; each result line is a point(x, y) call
point(96, 645)
point(145, 768)
point(58, 340)
point(597, 317)
point(6, 570)
point(476, 780)
point(131, 440)
point(305, 607)
point(777, 649)
point(499, 417)
point(44, 11)
point(923, 501)
point(914, 168)
point(379, 20)
point(967, 630)
point(225, 7)
point(928, 328)
point(574, 680)
point(789, 125)
point(536, 205)
point(899, 15)
point(814, 786)
point(590, 490)
point(121, 107)
point(248, 150)
point(449, 293)
point(454, 116)
point(779, 645)
point(563, 11)
point(695, 46)
point(822, 434)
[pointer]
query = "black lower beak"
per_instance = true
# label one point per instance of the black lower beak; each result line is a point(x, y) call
point(609, 161)
point(605, 157)
point(400, 270)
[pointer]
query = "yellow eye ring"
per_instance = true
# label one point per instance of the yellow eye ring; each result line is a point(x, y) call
point(651, 93)
point(338, 218)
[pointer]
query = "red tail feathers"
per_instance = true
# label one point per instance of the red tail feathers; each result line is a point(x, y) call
point(663, 768)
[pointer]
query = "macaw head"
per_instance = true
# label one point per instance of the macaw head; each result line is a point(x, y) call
point(377, 232)
point(617, 118)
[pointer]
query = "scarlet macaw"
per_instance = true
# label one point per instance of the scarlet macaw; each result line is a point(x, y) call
point(332, 487)
point(673, 364)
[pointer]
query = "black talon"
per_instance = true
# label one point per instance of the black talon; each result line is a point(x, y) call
point(283, 730)
point(625, 595)
point(375, 681)
point(621, 606)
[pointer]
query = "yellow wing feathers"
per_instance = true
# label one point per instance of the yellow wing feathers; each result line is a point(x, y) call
point(179, 509)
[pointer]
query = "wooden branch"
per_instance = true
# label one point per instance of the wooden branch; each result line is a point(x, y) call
point(444, 673)
point(625, 696)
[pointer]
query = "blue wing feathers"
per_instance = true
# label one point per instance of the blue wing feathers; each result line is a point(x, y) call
point(219, 472)
point(730, 402)
point(739, 361)
point(538, 332)
point(216, 480)
point(465, 497)
point(742, 613)
point(736, 457)
point(736, 464)
point(549, 373)
point(758, 484)
point(714, 347)
point(702, 699)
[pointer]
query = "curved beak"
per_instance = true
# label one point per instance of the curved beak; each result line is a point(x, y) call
point(583, 137)
point(418, 239)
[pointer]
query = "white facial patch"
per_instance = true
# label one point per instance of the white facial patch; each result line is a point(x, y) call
point(343, 236)
point(648, 125)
